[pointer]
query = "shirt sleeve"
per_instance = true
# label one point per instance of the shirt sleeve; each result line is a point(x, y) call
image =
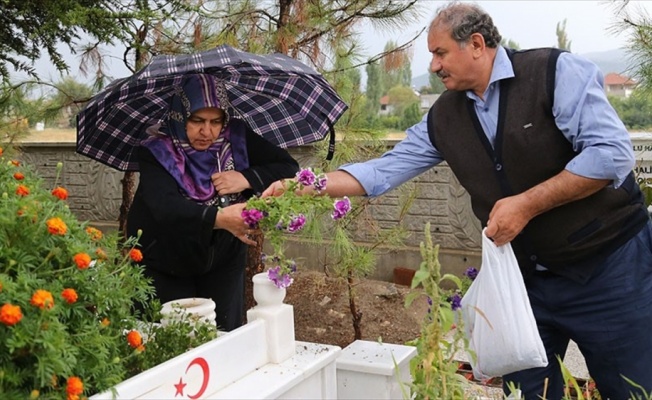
point(586, 118)
point(409, 158)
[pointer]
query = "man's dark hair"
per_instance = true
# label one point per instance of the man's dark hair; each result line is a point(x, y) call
point(464, 20)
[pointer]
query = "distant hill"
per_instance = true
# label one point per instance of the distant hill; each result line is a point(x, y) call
point(617, 61)
point(608, 61)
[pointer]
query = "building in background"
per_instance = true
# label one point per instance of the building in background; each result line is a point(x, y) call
point(618, 85)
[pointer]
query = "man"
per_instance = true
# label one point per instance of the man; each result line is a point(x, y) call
point(548, 165)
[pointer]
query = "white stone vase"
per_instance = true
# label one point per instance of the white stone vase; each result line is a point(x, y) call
point(193, 309)
point(266, 293)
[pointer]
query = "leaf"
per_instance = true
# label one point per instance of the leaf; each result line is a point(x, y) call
point(419, 277)
point(409, 299)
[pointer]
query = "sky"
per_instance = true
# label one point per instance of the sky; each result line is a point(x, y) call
point(527, 22)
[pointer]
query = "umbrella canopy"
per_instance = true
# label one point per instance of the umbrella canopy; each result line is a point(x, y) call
point(283, 100)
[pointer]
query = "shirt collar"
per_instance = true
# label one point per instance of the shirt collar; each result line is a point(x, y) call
point(502, 69)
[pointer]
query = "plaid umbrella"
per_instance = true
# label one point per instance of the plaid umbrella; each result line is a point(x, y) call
point(280, 98)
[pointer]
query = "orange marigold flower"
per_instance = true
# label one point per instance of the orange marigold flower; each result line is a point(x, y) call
point(60, 192)
point(101, 254)
point(105, 322)
point(15, 163)
point(56, 226)
point(94, 233)
point(10, 314)
point(22, 190)
point(136, 255)
point(1, 151)
point(82, 260)
point(69, 295)
point(134, 339)
point(19, 176)
point(72, 397)
point(74, 386)
point(42, 299)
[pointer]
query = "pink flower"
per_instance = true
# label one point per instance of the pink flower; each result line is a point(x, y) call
point(297, 223)
point(342, 207)
point(251, 217)
point(306, 177)
point(320, 182)
point(280, 279)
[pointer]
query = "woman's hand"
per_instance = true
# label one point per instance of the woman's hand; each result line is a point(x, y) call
point(230, 219)
point(229, 182)
point(277, 188)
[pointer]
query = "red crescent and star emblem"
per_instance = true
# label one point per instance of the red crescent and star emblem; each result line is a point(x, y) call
point(206, 373)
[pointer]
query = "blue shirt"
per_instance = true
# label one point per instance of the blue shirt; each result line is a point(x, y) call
point(581, 111)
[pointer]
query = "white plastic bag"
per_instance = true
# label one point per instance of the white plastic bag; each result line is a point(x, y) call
point(498, 318)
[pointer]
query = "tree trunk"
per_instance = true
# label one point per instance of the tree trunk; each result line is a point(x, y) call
point(356, 316)
point(128, 183)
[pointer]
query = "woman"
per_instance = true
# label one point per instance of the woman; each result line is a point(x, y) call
point(191, 168)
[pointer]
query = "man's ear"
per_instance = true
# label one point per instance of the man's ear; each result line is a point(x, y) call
point(477, 44)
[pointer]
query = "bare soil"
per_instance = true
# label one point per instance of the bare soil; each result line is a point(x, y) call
point(322, 311)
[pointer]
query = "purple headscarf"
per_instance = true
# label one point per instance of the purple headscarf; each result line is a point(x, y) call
point(192, 169)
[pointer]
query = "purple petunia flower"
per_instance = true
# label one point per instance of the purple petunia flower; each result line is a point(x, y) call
point(342, 207)
point(297, 223)
point(280, 279)
point(471, 273)
point(456, 301)
point(320, 182)
point(306, 177)
point(251, 217)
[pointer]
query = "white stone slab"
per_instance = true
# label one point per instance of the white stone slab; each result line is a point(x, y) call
point(202, 370)
point(642, 146)
point(373, 370)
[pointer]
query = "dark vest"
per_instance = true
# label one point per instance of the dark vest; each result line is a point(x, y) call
point(529, 149)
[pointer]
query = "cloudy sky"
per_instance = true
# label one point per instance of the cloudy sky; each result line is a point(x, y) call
point(527, 22)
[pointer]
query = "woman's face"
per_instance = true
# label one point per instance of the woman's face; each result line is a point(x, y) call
point(204, 126)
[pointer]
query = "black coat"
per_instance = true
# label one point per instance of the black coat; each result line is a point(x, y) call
point(177, 233)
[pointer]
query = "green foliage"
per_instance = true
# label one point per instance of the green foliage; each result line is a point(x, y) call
point(375, 88)
point(434, 368)
point(437, 86)
point(67, 295)
point(562, 36)
point(510, 44)
point(635, 111)
point(29, 28)
point(646, 188)
point(401, 97)
point(411, 115)
point(300, 208)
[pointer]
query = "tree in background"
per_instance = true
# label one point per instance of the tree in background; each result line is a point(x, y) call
point(436, 85)
point(373, 93)
point(396, 66)
point(69, 99)
point(562, 37)
point(637, 24)
point(411, 115)
point(635, 111)
point(29, 28)
point(510, 44)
